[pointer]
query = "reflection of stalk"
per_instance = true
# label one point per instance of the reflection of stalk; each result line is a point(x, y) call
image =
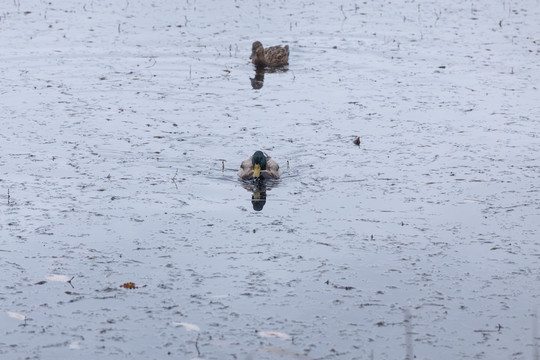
point(536, 355)
point(197, 345)
point(8, 196)
point(408, 334)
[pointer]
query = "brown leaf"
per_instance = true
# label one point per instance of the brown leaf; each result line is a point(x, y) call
point(129, 285)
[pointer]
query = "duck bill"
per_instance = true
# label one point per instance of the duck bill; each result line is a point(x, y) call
point(253, 55)
point(256, 170)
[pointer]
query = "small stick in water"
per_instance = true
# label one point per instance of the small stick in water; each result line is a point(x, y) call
point(174, 179)
point(197, 345)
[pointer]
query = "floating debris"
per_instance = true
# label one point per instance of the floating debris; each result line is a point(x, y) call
point(16, 316)
point(129, 285)
point(187, 326)
point(341, 287)
point(56, 277)
point(76, 345)
point(275, 334)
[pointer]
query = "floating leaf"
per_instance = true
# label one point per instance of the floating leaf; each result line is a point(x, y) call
point(76, 345)
point(188, 326)
point(40, 282)
point(129, 285)
point(16, 315)
point(276, 334)
point(56, 277)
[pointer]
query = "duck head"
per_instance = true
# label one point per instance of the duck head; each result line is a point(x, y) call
point(258, 160)
point(257, 53)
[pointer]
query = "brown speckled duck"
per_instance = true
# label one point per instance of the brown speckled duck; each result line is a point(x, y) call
point(259, 165)
point(272, 56)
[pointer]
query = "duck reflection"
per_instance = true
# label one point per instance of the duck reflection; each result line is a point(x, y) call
point(258, 189)
point(258, 198)
point(257, 82)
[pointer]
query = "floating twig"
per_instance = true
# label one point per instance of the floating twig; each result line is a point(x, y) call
point(437, 16)
point(69, 282)
point(197, 345)
point(343, 12)
point(174, 179)
point(154, 62)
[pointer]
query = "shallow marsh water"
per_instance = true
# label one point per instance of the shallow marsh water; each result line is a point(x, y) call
point(421, 241)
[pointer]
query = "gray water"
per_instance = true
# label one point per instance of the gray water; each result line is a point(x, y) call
point(123, 127)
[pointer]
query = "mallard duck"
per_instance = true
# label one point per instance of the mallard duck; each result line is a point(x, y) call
point(272, 56)
point(259, 165)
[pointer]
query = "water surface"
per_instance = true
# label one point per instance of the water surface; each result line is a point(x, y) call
point(123, 127)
